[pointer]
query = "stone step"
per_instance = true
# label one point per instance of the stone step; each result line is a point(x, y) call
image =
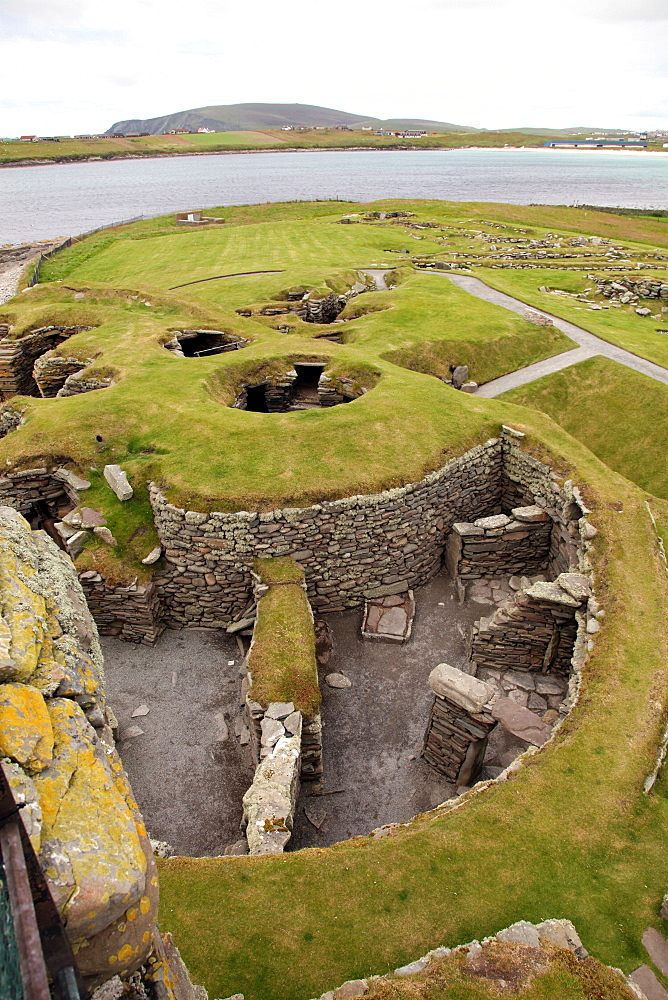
point(648, 983)
point(657, 949)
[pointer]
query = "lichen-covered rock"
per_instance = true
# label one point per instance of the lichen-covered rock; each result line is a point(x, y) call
point(79, 811)
point(26, 735)
point(269, 804)
point(90, 842)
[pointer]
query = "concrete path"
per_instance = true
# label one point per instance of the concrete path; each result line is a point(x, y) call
point(590, 345)
point(378, 275)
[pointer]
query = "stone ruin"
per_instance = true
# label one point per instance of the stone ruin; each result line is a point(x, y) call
point(302, 387)
point(203, 343)
point(24, 369)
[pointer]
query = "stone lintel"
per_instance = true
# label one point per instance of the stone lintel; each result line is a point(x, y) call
point(464, 690)
point(532, 513)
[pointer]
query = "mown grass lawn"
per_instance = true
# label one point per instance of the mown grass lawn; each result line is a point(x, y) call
point(621, 415)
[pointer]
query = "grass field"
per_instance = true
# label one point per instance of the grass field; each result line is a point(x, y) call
point(593, 401)
point(618, 326)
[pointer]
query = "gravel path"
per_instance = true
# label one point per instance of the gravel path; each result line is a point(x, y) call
point(9, 281)
point(590, 345)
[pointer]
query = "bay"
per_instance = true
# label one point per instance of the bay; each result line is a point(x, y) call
point(44, 202)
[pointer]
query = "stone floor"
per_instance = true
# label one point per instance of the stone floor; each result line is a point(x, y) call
point(187, 769)
point(373, 730)
point(189, 766)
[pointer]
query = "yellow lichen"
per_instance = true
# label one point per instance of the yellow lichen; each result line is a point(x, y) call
point(26, 734)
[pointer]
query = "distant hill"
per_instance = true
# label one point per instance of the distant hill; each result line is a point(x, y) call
point(243, 117)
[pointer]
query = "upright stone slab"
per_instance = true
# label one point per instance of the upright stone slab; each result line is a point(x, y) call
point(460, 724)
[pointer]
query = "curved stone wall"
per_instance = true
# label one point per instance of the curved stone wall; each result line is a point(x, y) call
point(359, 547)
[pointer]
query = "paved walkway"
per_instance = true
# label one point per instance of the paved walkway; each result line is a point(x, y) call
point(590, 345)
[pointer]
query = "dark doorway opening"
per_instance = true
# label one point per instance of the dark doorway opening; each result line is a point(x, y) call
point(305, 386)
point(43, 516)
point(256, 398)
point(202, 343)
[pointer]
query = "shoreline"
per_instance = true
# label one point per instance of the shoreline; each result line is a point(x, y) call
point(51, 162)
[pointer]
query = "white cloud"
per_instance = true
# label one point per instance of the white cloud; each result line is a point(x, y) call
point(489, 63)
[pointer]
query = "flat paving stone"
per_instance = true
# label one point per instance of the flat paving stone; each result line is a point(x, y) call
point(657, 949)
point(648, 983)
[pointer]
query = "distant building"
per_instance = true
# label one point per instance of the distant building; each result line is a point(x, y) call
point(27, 138)
point(195, 218)
point(410, 134)
point(599, 143)
point(206, 130)
point(383, 132)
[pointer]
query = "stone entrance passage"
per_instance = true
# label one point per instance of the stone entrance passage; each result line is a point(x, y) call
point(305, 387)
point(201, 343)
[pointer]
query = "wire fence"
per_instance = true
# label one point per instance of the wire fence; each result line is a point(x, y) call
point(34, 277)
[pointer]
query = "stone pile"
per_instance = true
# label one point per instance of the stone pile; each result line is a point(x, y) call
point(535, 631)
point(626, 290)
point(9, 420)
point(389, 619)
point(18, 357)
point(51, 371)
point(459, 725)
point(500, 544)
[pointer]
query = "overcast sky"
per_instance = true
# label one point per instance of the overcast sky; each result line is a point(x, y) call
point(79, 65)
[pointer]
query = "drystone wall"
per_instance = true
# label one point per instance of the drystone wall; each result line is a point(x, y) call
point(500, 544)
point(537, 630)
point(51, 372)
point(9, 420)
point(132, 613)
point(57, 751)
point(363, 546)
point(21, 490)
point(459, 725)
point(352, 549)
point(17, 357)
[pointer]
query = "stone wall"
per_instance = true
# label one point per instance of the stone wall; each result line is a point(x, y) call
point(536, 631)
point(17, 357)
point(500, 544)
point(9, 420)
point(132, 613)
point(21, 490)
point(363, 546)
point(626, 290)
point(51, 372)
point(459, 725)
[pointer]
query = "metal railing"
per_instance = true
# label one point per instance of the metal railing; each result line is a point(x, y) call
point(37, 959)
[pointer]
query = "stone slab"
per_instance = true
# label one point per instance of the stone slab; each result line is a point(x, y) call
point(648, 983)
point(530, 514)
point(657, 949)
point(464, 690)
point(520, 721)
point(118, 481)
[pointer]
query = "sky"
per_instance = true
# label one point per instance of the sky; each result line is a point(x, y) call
point(72, 66)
